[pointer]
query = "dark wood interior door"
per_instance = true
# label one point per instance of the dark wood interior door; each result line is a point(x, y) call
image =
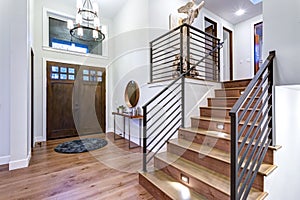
point(75, 100)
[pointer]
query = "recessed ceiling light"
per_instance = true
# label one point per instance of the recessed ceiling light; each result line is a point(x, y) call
point(255, 1)
point(240, 12)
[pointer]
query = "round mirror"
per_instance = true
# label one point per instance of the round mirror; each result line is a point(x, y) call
point(132, 94)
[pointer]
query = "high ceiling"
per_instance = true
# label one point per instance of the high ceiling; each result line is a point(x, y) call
point(227, 8)
point(223, 8)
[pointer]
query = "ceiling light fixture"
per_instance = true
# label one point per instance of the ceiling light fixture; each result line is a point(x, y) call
point(240, 12)
point(87, 23)
point(255, 1)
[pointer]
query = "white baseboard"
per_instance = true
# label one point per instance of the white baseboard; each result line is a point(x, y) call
point(38, 139)
point(4, 160)
point(18, 164)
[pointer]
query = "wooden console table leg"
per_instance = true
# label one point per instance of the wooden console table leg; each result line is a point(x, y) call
point(114, 127)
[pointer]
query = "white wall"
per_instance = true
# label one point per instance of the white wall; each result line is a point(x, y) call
point(243, 48)
point(281, 30)
point(135, 26)
point(14, 81)
point(284, 182)
point(43, 53)
point(5, 83)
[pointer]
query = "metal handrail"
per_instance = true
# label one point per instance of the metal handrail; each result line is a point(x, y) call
point(178, 44)
point(156, 97)
point(245, 162)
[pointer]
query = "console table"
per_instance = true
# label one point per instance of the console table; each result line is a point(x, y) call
point(129, 117)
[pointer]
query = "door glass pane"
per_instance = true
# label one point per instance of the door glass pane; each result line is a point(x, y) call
point(63, 70)
point(86, 78)
point(54, 76)
point(85, 72)
point(63, 76)
point(54, 69)
point(71, 71)
point(71, 77)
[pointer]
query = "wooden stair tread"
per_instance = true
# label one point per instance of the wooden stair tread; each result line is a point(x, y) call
point(170, 186)
point(224, 108)
point(219, 135)
point(224, 98)
point(215, 119)
point(209, 177)
point(231, 88)
point(235, 81)
point(265, 169)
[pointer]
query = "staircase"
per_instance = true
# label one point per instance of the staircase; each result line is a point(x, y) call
point(196, 165)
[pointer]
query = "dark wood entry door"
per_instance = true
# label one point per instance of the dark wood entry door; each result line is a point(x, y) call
point(75, 100)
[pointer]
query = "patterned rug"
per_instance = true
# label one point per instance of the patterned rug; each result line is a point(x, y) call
point(80, 146)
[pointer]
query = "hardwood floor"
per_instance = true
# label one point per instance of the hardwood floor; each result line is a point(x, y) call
point(107, 173)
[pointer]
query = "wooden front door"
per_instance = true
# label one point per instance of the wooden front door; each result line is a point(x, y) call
point(75, 100)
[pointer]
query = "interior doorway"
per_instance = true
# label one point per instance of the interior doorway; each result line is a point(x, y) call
point(75, 100)
point(211, 70)
point(258, 46)
point(227, 55)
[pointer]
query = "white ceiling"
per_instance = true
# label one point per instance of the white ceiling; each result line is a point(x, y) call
point(109, 8)
point(223, 8)
point(227, 8)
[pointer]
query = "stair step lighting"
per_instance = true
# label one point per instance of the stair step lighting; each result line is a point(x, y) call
point(184, 178)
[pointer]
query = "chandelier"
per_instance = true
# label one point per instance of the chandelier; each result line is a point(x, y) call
point(87, 23)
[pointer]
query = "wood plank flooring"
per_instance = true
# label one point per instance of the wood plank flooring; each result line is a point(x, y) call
point(107, 173)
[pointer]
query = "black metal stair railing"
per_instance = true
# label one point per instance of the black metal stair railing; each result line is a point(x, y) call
point(251, 134)
point(164, 113)
point(176, 51)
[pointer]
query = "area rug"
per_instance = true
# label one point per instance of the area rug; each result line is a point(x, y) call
point(80, 146)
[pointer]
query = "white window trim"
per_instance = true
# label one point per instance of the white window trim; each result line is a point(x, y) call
point(62, 16)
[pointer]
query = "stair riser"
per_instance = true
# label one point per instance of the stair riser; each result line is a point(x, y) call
point(227, 103)
point(203, 159)
point(152, 189)
point(243, 83)
point(230, 93)
point(221, 113)
point(212, 126)
point(219, 143)
point(210, 192)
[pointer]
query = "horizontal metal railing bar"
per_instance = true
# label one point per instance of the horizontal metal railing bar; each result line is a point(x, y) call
point(170, 51)
point(256, 157)
point(250, 158)
point(205, 48)
point(162, 68)
point(212, 57)
point(163, 78)
point(210, 71)
point(248, 120)
point(200, 31)
point(170, 128)
point(159, 50)
point(159, 47)
point(167, 66)
point(203, 42)
point(207, 64)
point(167, 38)
point(165, 58)
point(256, 169)
point(175, 88)
point(162, 145)
point(175, 117)
point(164, 63)
point(194, 47)
point(250, 102)
point(165, 72)
point(161, 109)
point(252, 83)
point(164, 35)
point(208, 39)
point(243, 156)
point(208, 61)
